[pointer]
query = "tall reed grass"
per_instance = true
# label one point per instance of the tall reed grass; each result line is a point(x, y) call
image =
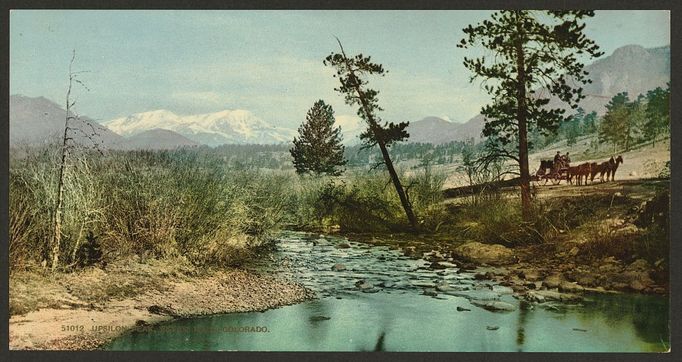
point(184, 203)
point(162, 204)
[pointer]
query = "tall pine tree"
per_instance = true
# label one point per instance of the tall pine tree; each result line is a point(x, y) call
point(531, 50)
point(318, 149)
point(657, 113)
point(617, 127)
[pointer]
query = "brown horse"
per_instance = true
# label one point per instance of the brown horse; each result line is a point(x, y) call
point(613, 167)
point(599, 168)
point(584, 170)
point(596, 168)
point(573, 171)
point(605, 169)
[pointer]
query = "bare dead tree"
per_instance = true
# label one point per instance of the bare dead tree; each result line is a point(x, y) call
point(68, 143)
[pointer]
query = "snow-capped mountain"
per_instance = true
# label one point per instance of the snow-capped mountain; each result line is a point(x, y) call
point(213, 129)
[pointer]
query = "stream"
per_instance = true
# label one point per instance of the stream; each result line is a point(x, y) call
point(382, 300)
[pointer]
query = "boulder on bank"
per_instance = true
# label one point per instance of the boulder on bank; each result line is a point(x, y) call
point(492, 254)
point(638, 265)
point(338, 267)
point(530, 274)
point(568, 287)
point(160, 310)
point(494, 305)
point(552, 281)
point(548, 295)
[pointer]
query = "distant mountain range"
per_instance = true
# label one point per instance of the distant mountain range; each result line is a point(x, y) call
point(631, 69)
point(213, 129)
point(39, 120)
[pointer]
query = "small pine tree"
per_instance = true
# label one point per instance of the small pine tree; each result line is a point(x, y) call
point(89, 252)
point(590, 123)
point(616, 127)
point(318, 148)
point(657, 113)
point(572, 132)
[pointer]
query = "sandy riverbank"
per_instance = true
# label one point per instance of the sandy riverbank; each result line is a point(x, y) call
point(86, 309)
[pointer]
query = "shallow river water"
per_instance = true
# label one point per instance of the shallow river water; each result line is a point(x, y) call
point(386, 301)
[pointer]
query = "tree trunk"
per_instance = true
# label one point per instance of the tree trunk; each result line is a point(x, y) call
point(523, 127)
point(57, 232)
point(398, 187)
point(55, 243)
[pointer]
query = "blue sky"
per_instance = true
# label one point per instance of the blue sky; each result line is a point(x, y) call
point(268, 62)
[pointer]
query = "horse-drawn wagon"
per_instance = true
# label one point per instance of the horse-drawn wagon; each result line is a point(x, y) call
point(552, 171)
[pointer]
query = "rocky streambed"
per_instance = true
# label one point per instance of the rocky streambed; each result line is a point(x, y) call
point(383, 297)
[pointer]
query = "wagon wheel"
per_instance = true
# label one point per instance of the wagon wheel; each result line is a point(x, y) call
point(556, 179)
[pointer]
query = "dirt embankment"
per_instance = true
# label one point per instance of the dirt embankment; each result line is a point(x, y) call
point(86, 309)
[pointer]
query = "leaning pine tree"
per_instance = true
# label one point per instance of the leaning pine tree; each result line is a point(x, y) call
point(318, 149)
point(351, 73)
point(534, 56)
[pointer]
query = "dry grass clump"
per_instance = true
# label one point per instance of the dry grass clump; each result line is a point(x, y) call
point(157, 203)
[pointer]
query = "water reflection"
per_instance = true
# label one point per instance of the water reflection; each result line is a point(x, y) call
point(317, 315)
point(520, 331)
point(379, 347)
point(648, 315)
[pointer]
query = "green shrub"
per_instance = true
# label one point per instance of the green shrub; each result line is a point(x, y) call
point(360, 204)
point(32, 194)
point(367, 202)
point(496, 221)
point(426, 195)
